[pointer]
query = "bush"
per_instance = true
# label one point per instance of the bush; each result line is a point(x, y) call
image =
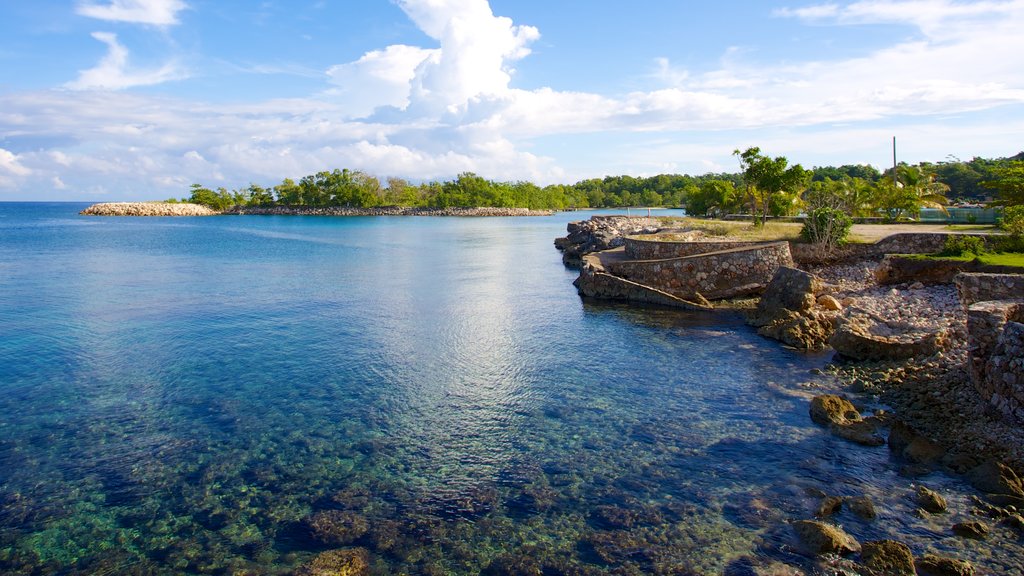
point(828, 227)
point(1013, 220)
point(957, 245)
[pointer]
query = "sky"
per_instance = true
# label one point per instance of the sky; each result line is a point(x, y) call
point(104, 100)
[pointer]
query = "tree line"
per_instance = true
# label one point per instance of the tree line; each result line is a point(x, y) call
point(764, 186)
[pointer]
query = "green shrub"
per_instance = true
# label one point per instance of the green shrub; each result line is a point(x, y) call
point(958, 245)
point(1013, 220)
point(826, 226)
point(1008, 244)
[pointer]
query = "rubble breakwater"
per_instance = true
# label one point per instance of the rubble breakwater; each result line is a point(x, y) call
point(148, 209)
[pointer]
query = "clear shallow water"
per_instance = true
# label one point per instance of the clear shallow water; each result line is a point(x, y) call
point(184, 395)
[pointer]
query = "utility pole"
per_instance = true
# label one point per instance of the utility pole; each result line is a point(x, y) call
point(895, 182)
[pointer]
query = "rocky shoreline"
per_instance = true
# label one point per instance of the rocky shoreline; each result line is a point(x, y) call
point(188, 209)
point(920, 402)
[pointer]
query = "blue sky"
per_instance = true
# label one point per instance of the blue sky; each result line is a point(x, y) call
point(137, 99)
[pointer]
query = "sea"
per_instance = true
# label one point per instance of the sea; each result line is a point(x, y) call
point(241, 394)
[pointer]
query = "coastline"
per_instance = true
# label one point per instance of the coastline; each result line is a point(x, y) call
point(926, 408)
point(189, 209)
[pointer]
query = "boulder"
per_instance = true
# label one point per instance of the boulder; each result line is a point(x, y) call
point(831, 409)
point(786, 311)
point(809, 330)
point(930, 500)
point(888, 557)
point(932, 565)
point(905, 442)
point(829, 302)
point(821, 538)
point(996, 478)
point(341, 562)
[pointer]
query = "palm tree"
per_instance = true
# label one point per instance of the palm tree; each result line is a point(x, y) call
point(930, 193)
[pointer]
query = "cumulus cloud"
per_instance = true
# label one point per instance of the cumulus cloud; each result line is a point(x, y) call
point(472, 60)
point(112, 72)
point(154, 12)
point(379, 78)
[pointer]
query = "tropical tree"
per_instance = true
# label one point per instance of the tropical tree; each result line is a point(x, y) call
point(1008, 182)
point(711, 197)
point(766, 179)
point(924, 184)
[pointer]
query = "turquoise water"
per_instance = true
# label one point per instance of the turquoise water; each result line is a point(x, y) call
point(197, 395)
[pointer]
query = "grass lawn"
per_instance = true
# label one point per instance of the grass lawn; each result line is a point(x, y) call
point(738, 230)
point(1015, 259)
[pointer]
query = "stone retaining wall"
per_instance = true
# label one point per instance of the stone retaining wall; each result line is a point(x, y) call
point(981, 287)
point(996, 361)
point(715, 275)
point(902, 243)
point(995, 337)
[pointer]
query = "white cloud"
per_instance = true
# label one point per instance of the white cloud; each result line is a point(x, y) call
point(379, 78)
point(112, 71)
point(154, 12)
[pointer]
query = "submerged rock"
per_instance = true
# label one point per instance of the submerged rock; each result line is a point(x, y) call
point(821, 538)
point(972, 529)
point(888, 557)
point(337, 526)
point(829, 505)
point(844, 421)
point(862, 506)
point(341, 562)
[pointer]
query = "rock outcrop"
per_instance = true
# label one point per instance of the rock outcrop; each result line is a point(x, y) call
point(598, 234)
point(794, 310)
point(148, 209)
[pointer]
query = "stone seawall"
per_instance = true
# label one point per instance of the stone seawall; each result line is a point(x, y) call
point(382, 211)
point(595, 282)
point(147, 209)
point(715, 275)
